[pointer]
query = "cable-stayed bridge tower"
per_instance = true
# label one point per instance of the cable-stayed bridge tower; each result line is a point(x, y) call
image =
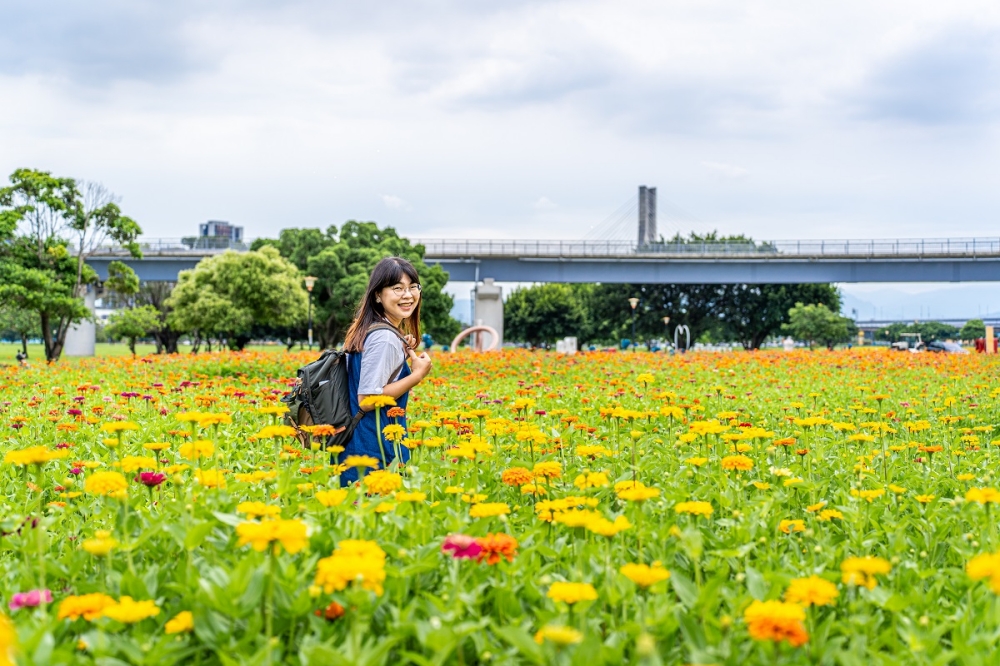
point(647, 215)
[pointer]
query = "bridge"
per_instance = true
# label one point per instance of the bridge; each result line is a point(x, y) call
point(769, 262)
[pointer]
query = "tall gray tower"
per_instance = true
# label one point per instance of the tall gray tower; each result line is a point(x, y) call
point(647, 215)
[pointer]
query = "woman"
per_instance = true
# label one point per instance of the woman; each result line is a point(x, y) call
point(377, 358)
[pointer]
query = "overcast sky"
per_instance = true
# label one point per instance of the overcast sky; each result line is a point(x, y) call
point(515, 119)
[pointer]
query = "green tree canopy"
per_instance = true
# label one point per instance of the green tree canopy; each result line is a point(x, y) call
point(928, 330)
point(225, 296)
point(39, 270)
point(20, 324)
point(342, 260)
point(974, 328)
point(817, 323)
point(131, 324)
point(544, 313)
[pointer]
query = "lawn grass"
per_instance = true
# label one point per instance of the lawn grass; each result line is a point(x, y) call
point(36, 353)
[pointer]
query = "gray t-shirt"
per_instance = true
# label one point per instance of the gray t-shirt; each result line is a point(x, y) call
point(382, 355)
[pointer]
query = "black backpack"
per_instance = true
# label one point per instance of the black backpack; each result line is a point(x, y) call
point(322, 393)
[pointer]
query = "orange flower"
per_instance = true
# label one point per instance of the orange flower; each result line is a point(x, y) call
point(495, 547)
point(517, 476)
point(776, 621)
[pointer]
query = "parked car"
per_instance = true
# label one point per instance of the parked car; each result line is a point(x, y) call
point(940, 347)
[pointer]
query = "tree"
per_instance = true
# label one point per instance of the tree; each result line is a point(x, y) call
point(39, 270)
point(343, 259)
point(155, 294)
point(225, 296)
point(132, 323)
point(751, 313)
point(20, 323)
point(973, 329)
point(543, 313)
point(817, 323)
point(928, 330)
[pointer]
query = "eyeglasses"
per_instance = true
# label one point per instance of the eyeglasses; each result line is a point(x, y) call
point(399, 289)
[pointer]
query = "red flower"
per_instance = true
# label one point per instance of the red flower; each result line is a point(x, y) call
point(332, 612)
point(151, 479)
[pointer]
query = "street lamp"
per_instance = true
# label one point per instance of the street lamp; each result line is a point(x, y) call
point(666, 324)
point(633, 302)
point(310, 283)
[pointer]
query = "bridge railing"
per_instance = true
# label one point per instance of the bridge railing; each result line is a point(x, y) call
point(441, 248)
point(789, 248)
point(185, 245)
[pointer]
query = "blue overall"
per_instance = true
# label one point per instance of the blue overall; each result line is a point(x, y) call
point(364, 441)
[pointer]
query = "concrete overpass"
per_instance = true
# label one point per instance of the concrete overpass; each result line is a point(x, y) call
point(795, 261)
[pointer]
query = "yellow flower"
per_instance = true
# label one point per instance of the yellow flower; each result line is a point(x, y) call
point(402, 496)
point(129, 611)
point(210, 478)
point(868, 495)
point(88, 606)
point(925, 499)
point(644, 575)
point(607, 528)
point(488, 510)
point(378, 401)
point(201, 448)
point(394, 432)
point(119, 426)
point(257, 477)
point(697, 461)
point(136, 463)
point(156, 446)
point(353, 561)
point(558, 634)
point(361, 461)
point(738, 463)
point(330, 498)
point(983, 495)
point(8, 641)
point(105, 483)
point(102, 544)
point(34, 455)
point(291, 534)
point(694, 508)
point(985, 565)
point(275, 431)
point(812, 591)
point(206, 420)
point(638, 493)
point(827, 515)
point(759, 485)
point(789, 526)
point(549, 470)
point(181, 623)
point(572, 593)
point(383, 482)
point(591, 480)
point(257, 509)
point(862, 570)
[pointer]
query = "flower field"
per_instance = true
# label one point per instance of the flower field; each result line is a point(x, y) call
point(772, 508)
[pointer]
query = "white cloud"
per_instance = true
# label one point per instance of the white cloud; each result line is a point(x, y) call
point(543, 204)
point(392, 202)
point(727, 170)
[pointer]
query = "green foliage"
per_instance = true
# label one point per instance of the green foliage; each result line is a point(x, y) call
point(974, 328)
point(929, 330)
point(544, 313)
point(39, 214)
point(342, 260)
point(131, 324)
point(817, 323)
point(225, 296)
point(122, 280)
point(19, 325)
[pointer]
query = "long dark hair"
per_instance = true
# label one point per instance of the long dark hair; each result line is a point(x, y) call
point(387, 272)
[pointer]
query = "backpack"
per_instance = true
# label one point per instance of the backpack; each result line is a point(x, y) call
point(321, 394)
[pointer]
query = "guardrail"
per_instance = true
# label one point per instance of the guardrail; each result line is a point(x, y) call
point(459, 248)
point(789, 248)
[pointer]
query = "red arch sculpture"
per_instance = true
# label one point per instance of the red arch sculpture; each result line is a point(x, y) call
point(494, 338)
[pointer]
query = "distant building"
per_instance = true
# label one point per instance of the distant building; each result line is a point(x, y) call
point(220, 229)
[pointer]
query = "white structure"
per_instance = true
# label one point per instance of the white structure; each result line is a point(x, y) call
point(81, 338)
point(489, 307)
point(566, 346)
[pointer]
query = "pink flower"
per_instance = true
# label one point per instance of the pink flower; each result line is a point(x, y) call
point(461, 546)
point(30, 599)
point(151, 479)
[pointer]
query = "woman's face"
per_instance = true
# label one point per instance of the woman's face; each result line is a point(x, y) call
point(400, 300)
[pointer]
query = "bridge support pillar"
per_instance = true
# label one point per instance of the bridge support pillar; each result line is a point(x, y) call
point(81, 339)
point(489, 307)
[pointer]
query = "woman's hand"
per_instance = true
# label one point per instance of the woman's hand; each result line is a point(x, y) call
point(410, 342)
point(420, 364)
